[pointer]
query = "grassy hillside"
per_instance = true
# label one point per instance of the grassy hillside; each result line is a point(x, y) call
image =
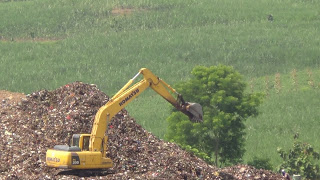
point(291, 107)
point(46, 44)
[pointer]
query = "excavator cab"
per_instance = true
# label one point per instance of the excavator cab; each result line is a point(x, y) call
point(81, 141)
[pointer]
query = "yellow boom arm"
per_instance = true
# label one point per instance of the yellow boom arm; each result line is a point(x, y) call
point(126, 95)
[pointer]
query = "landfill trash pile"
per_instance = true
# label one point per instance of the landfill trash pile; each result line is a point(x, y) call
point(248, 172)
point(46, 118)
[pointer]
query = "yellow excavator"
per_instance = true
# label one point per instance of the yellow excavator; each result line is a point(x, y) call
point(88, 151)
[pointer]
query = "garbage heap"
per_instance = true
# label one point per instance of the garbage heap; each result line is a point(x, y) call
point(46, 118)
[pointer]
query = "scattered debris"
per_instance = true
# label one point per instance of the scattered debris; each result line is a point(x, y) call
point(47, 118)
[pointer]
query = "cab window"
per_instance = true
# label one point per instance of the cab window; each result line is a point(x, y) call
point(75, 140)
point(85, 145)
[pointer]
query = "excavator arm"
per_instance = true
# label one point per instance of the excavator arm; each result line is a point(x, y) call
point(125, 95)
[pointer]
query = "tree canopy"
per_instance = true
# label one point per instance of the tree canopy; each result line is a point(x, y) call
point(221, 92)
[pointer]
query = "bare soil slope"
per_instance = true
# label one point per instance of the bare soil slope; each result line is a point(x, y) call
point(11, 96)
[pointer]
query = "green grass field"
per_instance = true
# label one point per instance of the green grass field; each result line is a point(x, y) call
point(291, 107)
point(46, 44)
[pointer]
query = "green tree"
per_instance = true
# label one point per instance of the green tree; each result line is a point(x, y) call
point(221, 92)
point(300, 159)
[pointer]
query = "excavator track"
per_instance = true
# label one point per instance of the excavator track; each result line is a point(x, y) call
point(86, 172)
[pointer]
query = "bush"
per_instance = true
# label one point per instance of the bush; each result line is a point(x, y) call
point(261, 163)
point(300, 159)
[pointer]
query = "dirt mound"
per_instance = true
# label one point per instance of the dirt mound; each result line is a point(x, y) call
point(13, 97)
point(47, 118)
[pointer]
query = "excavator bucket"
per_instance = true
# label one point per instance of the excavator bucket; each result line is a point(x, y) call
point(196, 112)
